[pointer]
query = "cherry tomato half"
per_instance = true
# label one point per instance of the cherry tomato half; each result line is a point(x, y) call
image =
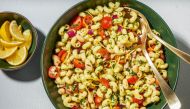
point(62, 55)
point(106, 22)
point(78, 64)
point(132, 80)
point(87, 20)
point(97, 100)
point(104, 82)
point(138, 101)
point(104, 53)
point(53, 72)
point(77, 23)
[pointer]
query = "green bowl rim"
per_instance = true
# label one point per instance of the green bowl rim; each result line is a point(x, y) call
point(43, 48)
point(35, 46)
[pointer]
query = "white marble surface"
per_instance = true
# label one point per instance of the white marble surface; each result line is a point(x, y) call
point(23, 89)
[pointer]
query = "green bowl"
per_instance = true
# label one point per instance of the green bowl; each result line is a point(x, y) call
point(155, 21)
point(21, 20)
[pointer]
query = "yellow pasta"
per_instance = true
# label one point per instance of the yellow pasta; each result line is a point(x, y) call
point(95, 65)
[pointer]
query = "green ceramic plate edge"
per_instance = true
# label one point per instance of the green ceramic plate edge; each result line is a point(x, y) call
point(147, 11)
point(26, 24)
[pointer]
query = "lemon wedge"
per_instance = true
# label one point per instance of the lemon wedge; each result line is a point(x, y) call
point(10, 44)
point(18, 57)
point(15, 32)
point(7, 52)
point(20, 28)
point(28, 38)
point(4, 31)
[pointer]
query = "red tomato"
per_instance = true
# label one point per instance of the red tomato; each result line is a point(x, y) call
point(106, 22)
point(77, 23)
point(104, 53)
point(138, 101)
point(62, 55)
point(104, 82)
point(53, 72)
point(87, 20)
point(78, 64)
point(97, 100)
point(132, 80)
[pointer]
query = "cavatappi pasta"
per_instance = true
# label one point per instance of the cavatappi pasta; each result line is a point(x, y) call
point(95, 65)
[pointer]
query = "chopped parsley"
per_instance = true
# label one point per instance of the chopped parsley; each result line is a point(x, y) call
point(132, 72)
point(67, 86)
point(74, 87)
point(82, 101)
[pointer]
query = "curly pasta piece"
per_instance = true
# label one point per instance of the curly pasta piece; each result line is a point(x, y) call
point(67, 102)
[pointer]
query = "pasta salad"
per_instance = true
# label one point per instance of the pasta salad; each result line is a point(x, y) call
point(95, 65)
